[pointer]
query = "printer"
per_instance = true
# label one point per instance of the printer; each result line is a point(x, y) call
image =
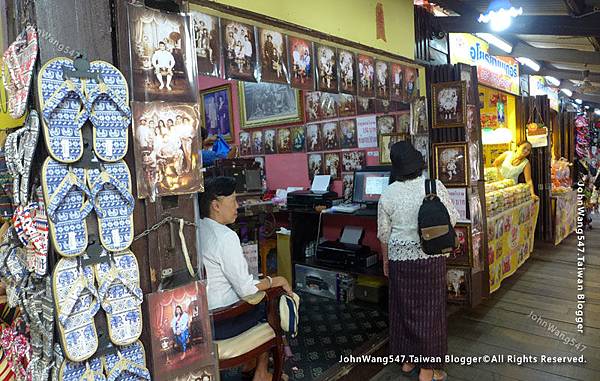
point(309, 199)
point(347, 250)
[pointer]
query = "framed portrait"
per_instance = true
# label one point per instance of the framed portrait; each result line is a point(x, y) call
point(162, 56)
point(347, 186)
point(208, 43)
point(353, 161)
point(298, 139)
point(449, 104)
point(347, 105)
point(331, 140)
point(239, 50)
point(382, 80)
point(462, 254)
point(166, 149)
point(397, 80)
point(284, 140)
point(365, 106)
point(421, 144)
point(245, 143)
point(181, 325)
point(258, 144)
point(469, 77)
point(327, 75)
point(314, 138)
point(347, 70)
point(217, 111)
point(315, 165)
point(458, 282)
point(332, 165)
point(418, 117)
point(268, 104)
point(348, 134)
point(403, 122)
point(386, 124)
point(366, 76)
point(301, 60)
point(320, 105)
point(411, 84)
point(273, 56)
point(451, 163)
point(386, 141)
point(270, 141)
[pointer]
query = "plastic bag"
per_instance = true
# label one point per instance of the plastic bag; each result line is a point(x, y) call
point(220, 147)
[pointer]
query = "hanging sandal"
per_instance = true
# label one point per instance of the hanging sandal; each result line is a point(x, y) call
point(6, 188)
point(76, 303)
point(121, 297)
point(81, 371)
point(109, 111)
point(128, 364)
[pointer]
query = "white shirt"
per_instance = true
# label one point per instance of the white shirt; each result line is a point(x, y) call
point(227, 274)
point(163, 59)
point(510, 171)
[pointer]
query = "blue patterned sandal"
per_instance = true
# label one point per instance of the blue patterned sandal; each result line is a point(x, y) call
point(81, 371)
point(113, 203)
point(68, 205)
point(121, 297)
point(64, 110)
point(76, 303)
point(128, 364)
point(109, 111)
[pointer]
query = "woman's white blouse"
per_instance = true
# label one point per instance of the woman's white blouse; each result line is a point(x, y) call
point(397, 219)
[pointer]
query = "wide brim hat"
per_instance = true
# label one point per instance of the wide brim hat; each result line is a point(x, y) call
point(406, 159)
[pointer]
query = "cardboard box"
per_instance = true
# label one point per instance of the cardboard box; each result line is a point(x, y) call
point(316, 281)
point(372, 290)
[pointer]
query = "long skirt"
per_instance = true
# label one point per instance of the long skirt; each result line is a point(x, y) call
point(417, 311)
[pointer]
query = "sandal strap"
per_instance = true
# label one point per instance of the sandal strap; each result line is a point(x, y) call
point(66, 88)
point(106, 178)
point(104, 91)
point(70, 181)
point(81, 284)
point(124, 365)
point(90, 374)
point(11, 56)
point(113, 277)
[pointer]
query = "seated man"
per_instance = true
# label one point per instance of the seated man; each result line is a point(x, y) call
point(228, 279)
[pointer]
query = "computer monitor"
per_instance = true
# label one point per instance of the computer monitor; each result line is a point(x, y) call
point(369, 184)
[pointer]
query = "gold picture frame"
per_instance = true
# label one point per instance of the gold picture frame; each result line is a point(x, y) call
point(248, 94)
point(451, 163)
point(446, 114)
point(208, 121)
point(385, 141)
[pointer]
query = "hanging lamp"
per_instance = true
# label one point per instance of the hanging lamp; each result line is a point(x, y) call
point(499, 15)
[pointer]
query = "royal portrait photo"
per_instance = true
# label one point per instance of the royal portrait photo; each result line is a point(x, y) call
point(347, 72)
point(366, 76)
point(208, 44)
point(315, 165)
point(216, 111)
point(382, 80)
point(314, 138)
point(273, 56)
point(268, 104)
point(300, 56)
point(327, 75)
point(239, 50)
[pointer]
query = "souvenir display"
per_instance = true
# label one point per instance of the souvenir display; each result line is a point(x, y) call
point(245, 143)
point(449, 106)
point(258, 147)
point(239, 50)
point(451, 163)
point(503, 195)
point(347, 105)
point(272, 56)
point(298, 139)
point(330, 135)
point(411, 83)
point(365, 105)
point(284, 140)
point(270, 142)
point(397, 80)
point(320, 105)
point(353, 161)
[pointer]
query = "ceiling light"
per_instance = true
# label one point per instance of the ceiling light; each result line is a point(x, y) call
point(578, 101)
point(499, 15)
point(552, 80)
point(496, 41)
point(529, 62)
point(586, 107)
point(597, 111)
point(567, 92)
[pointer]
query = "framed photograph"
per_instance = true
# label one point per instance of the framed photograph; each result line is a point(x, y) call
point(330, 134)
point(320, 105)
point(284, 140)
point(411, 83)
point(258, 146)
point(314, 138)
point(353, 161)
point(166, 148)
point(461, 256)
point(333, 165)
point(382, 80)
point(239, 50)
point(348, 134)
point(298, 139)
point(208, 43)
point(383, 106)
point(386, 141)
point(327, 75)
point(421, 144)
point(451, 163)
point(162, 56)
point(270, 142)
point(347, 105)
point(315, 165)
point(458, 284)
point(469, 77)
point(181, 326)
point(365, 106)
point(418, 117)
point(300, 57)
point(268, 104)
point(245, 143)
point(217, 111)
point(397, 79)
point(347, 72)
point(449, 104)
point(273, 56)
point(366, 76)
point(403, 123)
point(347, 186)
point(386, 124)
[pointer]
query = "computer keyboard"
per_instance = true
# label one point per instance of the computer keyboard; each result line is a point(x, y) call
point(345, 208)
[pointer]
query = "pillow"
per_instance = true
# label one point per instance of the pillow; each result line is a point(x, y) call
point(288, 313)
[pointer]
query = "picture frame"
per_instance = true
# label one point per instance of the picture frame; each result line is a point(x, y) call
point(216, 111)
point(258, 143)
point(348, 134)
point(365, 106)
point(284, 140)
point(326, 68)
point(353, 161)
point(366, 76)
point(298, 139)
point(397, 82)
point(270, 136)
point(458, 284)
point(347, 185)
point(411, 84)
point(332, 165)
point(421, 144)
point(314, 138)
point(382, 79)
point(347, 71)
point(461, 256)
point(331, 136)
point(239, 50)
point(386, 124)
point(208, 43)
point(300, 52)
point(253, 96)
point(385, 144)
point(451, 163)
point(320, 105)
point(315, 165)
point(449, 104)
point(273, 56)
point(245, 143)
point(347, 105)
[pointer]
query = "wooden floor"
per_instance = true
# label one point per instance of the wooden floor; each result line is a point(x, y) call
point(546, 286)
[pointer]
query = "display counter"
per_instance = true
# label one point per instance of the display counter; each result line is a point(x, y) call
point(564, 214)
point(510, 240)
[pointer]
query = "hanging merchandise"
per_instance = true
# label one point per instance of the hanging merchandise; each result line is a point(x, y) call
point(20, 148)
point(537, 133)
point(582, 136)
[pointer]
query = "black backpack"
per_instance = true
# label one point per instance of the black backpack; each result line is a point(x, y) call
point(436, 231)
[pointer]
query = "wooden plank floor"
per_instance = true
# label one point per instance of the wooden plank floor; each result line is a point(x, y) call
point(546, 286)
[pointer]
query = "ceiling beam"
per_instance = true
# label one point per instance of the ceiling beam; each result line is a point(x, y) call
point(577, 8)
point(521, 49)
point(457, 6)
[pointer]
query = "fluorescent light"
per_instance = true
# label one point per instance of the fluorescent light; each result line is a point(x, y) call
point(499, 15)
point(496, 41)
point(578, 101)
point(552, 80)
point(567, 92)
point(597, 111)
point(529, 62)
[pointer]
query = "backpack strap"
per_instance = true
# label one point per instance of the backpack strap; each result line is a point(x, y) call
point(430, 187)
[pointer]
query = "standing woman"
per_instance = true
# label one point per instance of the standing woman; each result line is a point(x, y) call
point(417, 281)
